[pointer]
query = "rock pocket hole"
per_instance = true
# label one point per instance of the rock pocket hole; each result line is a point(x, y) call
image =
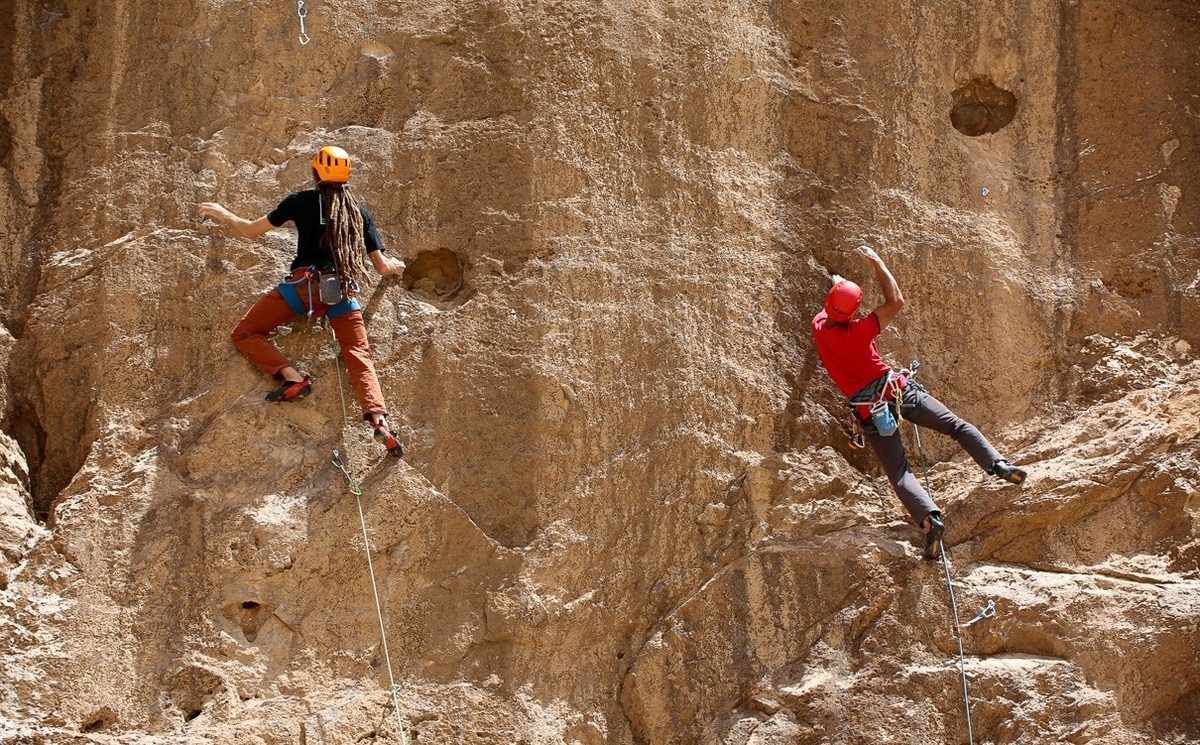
point(441, 274)
point(102, 718)
point(192, 689)
point(250, 615)
point(981, 107)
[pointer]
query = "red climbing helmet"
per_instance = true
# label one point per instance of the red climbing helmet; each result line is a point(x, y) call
point(843, 300)
point(332, 165)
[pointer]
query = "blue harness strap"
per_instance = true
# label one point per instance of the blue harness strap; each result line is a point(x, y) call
point(349, 305)
point(292, 297)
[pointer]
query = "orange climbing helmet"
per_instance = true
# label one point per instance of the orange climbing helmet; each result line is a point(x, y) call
point(843, 300)
point(332, 165)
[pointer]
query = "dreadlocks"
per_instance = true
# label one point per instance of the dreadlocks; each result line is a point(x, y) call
point(343, 236)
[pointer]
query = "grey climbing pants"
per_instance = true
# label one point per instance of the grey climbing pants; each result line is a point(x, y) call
point(926, 411)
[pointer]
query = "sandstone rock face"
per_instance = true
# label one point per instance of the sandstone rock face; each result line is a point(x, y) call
point(628, 512)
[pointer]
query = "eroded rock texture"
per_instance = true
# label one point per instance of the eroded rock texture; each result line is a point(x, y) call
point(628, 513)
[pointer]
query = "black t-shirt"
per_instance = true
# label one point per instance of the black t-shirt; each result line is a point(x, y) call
point(305, 209)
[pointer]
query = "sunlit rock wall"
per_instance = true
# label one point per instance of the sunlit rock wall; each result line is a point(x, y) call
point(628, 512)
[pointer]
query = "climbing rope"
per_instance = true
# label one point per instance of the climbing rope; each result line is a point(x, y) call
point(989, 611)
point(302, 12)
point(356, 490)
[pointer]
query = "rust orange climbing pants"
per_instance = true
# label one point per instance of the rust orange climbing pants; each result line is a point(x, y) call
point(252, 337)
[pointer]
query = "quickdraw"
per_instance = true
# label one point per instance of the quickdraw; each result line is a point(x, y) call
point(301, 11)
point(987, 612)
point(351, 482)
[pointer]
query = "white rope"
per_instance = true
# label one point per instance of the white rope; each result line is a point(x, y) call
point(962, 660)
point(356, 490)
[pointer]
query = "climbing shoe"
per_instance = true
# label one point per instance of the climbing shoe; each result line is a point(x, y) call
point(1001, 469)
point(933, 539)
point(291, 390)
point(386, 437)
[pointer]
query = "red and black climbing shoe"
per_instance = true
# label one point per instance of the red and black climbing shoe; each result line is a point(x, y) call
point(1011, 474)
point(291, 390)
point(386, 437)
point(933, 537)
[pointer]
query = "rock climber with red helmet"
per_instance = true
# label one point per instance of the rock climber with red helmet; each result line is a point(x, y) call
point(878, 395)
point(336, 236)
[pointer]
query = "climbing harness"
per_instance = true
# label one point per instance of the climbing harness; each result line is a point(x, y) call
point(302, 12)
point(988, 612)
point(356, 489)
point(308, 276)
point(880, 402)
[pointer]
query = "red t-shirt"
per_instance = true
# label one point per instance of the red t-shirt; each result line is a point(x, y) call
point(847, 350)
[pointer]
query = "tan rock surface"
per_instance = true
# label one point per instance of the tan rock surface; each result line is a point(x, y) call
point(628, 513)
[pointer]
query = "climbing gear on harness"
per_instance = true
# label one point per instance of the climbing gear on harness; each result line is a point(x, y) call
point(842, 300)
point(880, 402)
point(386, 437)
point(291, 390)
point(332, 165)
point(858, 440)
point(302, 12)
point(330, 288)
point(882, 418)
point(933, 538)
point(307, 276)
point(1001, 469)
point(356, 490)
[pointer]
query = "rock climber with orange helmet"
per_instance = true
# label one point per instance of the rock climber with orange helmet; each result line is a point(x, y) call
point(336, 236)
point(878, 395)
